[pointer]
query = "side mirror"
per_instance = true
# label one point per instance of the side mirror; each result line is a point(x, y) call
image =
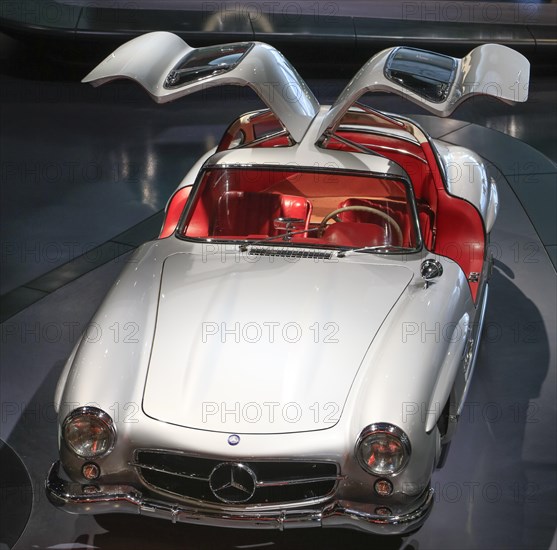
point(429, 270)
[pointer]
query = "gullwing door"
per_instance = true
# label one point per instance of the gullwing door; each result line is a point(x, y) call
point(168, 68)
point(438, 83)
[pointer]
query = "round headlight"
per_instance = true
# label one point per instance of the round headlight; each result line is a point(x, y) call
point(89, 432)
point(383, 449)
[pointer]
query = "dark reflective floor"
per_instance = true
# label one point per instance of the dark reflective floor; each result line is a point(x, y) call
point(79, 166)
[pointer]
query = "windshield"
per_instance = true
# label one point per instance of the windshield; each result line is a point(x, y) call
point(304, 208)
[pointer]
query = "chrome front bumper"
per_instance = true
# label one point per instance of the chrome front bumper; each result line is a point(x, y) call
point(104, 499)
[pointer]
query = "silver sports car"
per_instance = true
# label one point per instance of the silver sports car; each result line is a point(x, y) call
point(295, 348)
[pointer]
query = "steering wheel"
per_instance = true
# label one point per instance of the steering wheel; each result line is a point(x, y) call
point(334, 216)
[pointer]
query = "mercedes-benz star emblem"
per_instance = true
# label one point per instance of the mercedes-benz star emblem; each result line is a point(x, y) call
point(232, 482)
point(233, 439)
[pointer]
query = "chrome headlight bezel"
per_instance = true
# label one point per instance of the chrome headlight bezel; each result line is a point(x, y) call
point(103, 420)
point(391, 431)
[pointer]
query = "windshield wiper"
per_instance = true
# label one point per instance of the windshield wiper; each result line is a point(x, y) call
point(284, 236)
point(377, 248)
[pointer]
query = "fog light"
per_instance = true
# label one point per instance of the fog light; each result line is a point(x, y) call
point(383, 511)
point(90, 471)
point(383, 487)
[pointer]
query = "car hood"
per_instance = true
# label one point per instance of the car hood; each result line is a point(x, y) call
point(264, 346)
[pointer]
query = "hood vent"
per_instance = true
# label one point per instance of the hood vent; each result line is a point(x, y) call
point(289, 252)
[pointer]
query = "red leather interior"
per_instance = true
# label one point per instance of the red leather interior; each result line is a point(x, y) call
point(245, 202)
point(296, 207)
point(426, 219)
point(460, 232)
point(409, 155)
point(243, 213)
point(276, 141)
point(450, 226)
point(355, 234)
point(174, 211)
point(397, 212)
point(414, 161)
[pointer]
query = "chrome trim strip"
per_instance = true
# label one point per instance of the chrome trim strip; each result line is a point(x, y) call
point(97, 499)
point(475, 348)
point(259, 483)
point(392, 175)
point(380, 114)
point(292, 251)
point(175, 452)
point(169, 472)
point(362, 148)
point(300, 481)
point(230, 508)
point(401, 151)
point(373, 130)
point(266, 137)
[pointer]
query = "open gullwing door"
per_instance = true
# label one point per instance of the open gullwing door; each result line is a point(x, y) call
point(168, 68)
point(438, 83)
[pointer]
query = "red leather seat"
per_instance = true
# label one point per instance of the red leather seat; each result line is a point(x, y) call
point(296, 207)
point(355, 234)
point(243, 213)
point(359, 216)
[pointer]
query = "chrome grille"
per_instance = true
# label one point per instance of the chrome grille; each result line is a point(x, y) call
point(289, 252)
point(276, 482)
